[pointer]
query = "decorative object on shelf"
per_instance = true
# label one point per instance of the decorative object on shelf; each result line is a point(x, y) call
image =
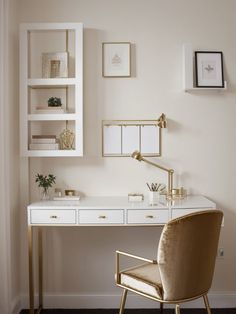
point(116, 59)
point(45, 182)
point(55, 65)
point(135, 197)
point(67, 139)
point(54, 102)
point(169, 194)
point(44, 142)
point(209, 69)
point(121, 137)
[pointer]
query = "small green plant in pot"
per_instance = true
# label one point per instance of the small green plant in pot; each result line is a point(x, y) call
point(54, 102)
point(45, 182)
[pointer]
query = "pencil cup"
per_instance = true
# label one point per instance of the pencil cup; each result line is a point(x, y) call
point(153, 197)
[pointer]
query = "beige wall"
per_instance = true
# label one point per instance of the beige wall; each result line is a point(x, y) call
point(199, 143)
point(10, 213)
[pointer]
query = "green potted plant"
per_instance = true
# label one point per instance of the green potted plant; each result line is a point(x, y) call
point(45, 182)
point(54, 102)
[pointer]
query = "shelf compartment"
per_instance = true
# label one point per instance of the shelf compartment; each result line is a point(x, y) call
point(39, 97)
point(51, 41)
point(46, 128)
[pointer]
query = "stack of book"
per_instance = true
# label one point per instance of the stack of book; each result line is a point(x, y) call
point(44, 142)
point(50, 110)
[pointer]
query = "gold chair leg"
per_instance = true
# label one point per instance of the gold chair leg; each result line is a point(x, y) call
point(177, 309)
point(206, 301)
point(122, 303)
point(161, 308)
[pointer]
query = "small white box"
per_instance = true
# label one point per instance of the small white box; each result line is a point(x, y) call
point(135, 197)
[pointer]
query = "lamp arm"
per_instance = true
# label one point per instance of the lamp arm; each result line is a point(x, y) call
point(158, 166)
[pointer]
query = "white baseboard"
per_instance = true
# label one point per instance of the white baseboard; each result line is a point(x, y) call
point(217, 300)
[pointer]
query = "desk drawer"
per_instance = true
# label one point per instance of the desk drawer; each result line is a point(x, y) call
point(106, 216)
point(147, 216)
point(53, 216)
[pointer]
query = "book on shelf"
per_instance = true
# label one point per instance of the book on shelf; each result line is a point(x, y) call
point(43, 141)
point(44, 146)
point(44, 136)
point(49, 110)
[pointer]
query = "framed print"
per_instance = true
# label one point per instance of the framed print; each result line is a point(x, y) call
point(116, 59)
point(209, 69)
point(55, 65)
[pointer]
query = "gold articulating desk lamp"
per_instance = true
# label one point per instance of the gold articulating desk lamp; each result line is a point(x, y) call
point(171, 193)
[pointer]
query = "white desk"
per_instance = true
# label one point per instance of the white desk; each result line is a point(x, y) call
point(100, 211)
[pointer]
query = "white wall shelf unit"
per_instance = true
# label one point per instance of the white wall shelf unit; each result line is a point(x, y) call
point(35, 89)
point(189, 84)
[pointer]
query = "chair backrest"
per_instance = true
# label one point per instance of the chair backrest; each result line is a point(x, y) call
point(186, 254)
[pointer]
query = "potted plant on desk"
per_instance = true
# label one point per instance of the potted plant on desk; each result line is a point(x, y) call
point(45, 182)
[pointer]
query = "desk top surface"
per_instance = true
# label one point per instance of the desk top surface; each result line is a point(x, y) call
point(121, 202)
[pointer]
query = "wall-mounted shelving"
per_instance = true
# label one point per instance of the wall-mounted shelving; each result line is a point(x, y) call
point(189, 84)
point(36, 40)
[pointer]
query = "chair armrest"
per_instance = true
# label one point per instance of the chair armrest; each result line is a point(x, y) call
point(136, 257)
point(118, 253)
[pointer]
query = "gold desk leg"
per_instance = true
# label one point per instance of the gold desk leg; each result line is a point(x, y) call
point(40, 266)
point(31, 272)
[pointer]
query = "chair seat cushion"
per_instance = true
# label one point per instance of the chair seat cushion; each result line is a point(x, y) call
point(143, 278)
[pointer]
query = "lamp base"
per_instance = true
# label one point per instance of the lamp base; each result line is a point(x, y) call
point(178, 193)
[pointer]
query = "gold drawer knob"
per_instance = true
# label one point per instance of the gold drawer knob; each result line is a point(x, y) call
point(102, 217)
point(53, 217)
point(150, 216)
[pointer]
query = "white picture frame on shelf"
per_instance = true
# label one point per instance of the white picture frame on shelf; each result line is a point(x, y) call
point(116, 59)
point(55, 65)
point(209, 69)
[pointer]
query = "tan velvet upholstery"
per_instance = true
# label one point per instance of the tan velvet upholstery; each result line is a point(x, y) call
point(186, 259)
point(144, 278)
point(186, 254)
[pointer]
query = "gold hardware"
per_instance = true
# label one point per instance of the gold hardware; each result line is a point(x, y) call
point(102, 217)
point(149, 216)
point(53, 216)
point(178, 193)
point(161, 122)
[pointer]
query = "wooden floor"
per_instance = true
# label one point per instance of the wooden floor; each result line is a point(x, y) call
point(132, 311)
